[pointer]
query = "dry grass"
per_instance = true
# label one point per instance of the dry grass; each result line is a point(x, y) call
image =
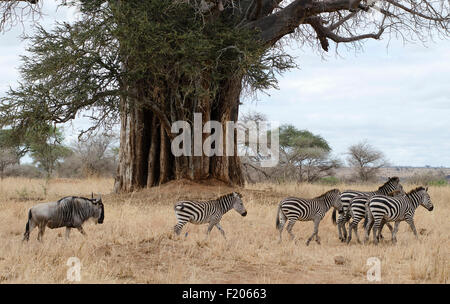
point(136, 245)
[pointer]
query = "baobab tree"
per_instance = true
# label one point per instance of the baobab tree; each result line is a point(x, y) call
point(147, 64)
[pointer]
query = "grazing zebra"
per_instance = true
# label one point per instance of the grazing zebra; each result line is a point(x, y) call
point(69, 212)
point(293, 209)
point(357, 211)
point(392, 184)
point(210, 212)
point(396, 209)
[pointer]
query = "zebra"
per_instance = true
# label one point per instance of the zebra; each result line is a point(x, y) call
point(396, 209)
point(69, 212)
point(293, 209)
point(357, 211)
point(201, 212)
point(392, 184)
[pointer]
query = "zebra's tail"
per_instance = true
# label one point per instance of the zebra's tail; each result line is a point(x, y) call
point(178, 206)
point(348, 212)
point(333, 217)
point(280, 215)
point(26, 235)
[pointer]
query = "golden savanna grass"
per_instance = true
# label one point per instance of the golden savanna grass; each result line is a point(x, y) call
point(136, 244)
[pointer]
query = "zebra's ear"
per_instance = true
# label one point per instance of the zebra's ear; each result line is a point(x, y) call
point(92, 195)
point(426, 189)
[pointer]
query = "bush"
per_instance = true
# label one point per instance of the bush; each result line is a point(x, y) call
point(429, 179)
point(26, 170)
point(438, 182)
point(329, 180)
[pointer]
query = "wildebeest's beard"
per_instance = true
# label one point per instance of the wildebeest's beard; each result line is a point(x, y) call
point(102, 214)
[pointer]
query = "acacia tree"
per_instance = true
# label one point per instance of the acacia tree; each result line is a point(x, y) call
point(151, 63)
point(366, 160)
point(307, 154)
point(49, 152)
point(8, 157)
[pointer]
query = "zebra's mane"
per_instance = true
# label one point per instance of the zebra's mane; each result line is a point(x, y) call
point(392, 179)
point(229, 195)
point(416, 190)
point(324, 194)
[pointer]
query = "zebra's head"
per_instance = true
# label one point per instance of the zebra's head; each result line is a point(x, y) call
point(426, 200)
point(238, 205)
point(392, 184)
point(335, 196)
point(99, 209)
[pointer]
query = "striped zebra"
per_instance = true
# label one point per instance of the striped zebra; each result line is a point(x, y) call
point(295, 209)
point(357, 211)
point(392, 184)
point(201, 212)
point(396, 209)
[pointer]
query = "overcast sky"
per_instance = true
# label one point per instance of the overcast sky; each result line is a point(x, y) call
point(396, 98)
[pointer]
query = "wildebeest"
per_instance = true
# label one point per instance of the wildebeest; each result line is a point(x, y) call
point(69, 212)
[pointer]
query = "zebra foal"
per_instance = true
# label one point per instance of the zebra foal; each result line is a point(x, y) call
point(201, 212)
point(392, 184)
point(294, 209)
point(383, 209)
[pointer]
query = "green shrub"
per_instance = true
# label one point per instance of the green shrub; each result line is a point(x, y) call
point(329, 180)
point(438, 182)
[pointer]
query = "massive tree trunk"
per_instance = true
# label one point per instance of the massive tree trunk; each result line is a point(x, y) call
point(145, 156)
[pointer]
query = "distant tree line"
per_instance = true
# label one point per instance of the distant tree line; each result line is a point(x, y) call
point(303, 157)
point(94, 155)
point(307, 157)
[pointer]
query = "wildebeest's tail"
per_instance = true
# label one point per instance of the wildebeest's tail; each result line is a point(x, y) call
point(333, 216)
point(280, 215)
point(26, 235)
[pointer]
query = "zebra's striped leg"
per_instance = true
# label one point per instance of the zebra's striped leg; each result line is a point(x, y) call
point(221, 230)
point(355, 224)
point(350, 228)
point(346, 219)
point(210, 227)
point(410, 221)
point(339, 221)
point(316, 232)
point(394, 232)
point(376, 228)
point(177, 228)
point(356, 233)
point(379, 235)
point(280, 227)
point(388, 225)
point(290, 224)
point(369, 223)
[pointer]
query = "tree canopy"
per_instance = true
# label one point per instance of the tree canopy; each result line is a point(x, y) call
point(80, 66)
point(150, 63)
